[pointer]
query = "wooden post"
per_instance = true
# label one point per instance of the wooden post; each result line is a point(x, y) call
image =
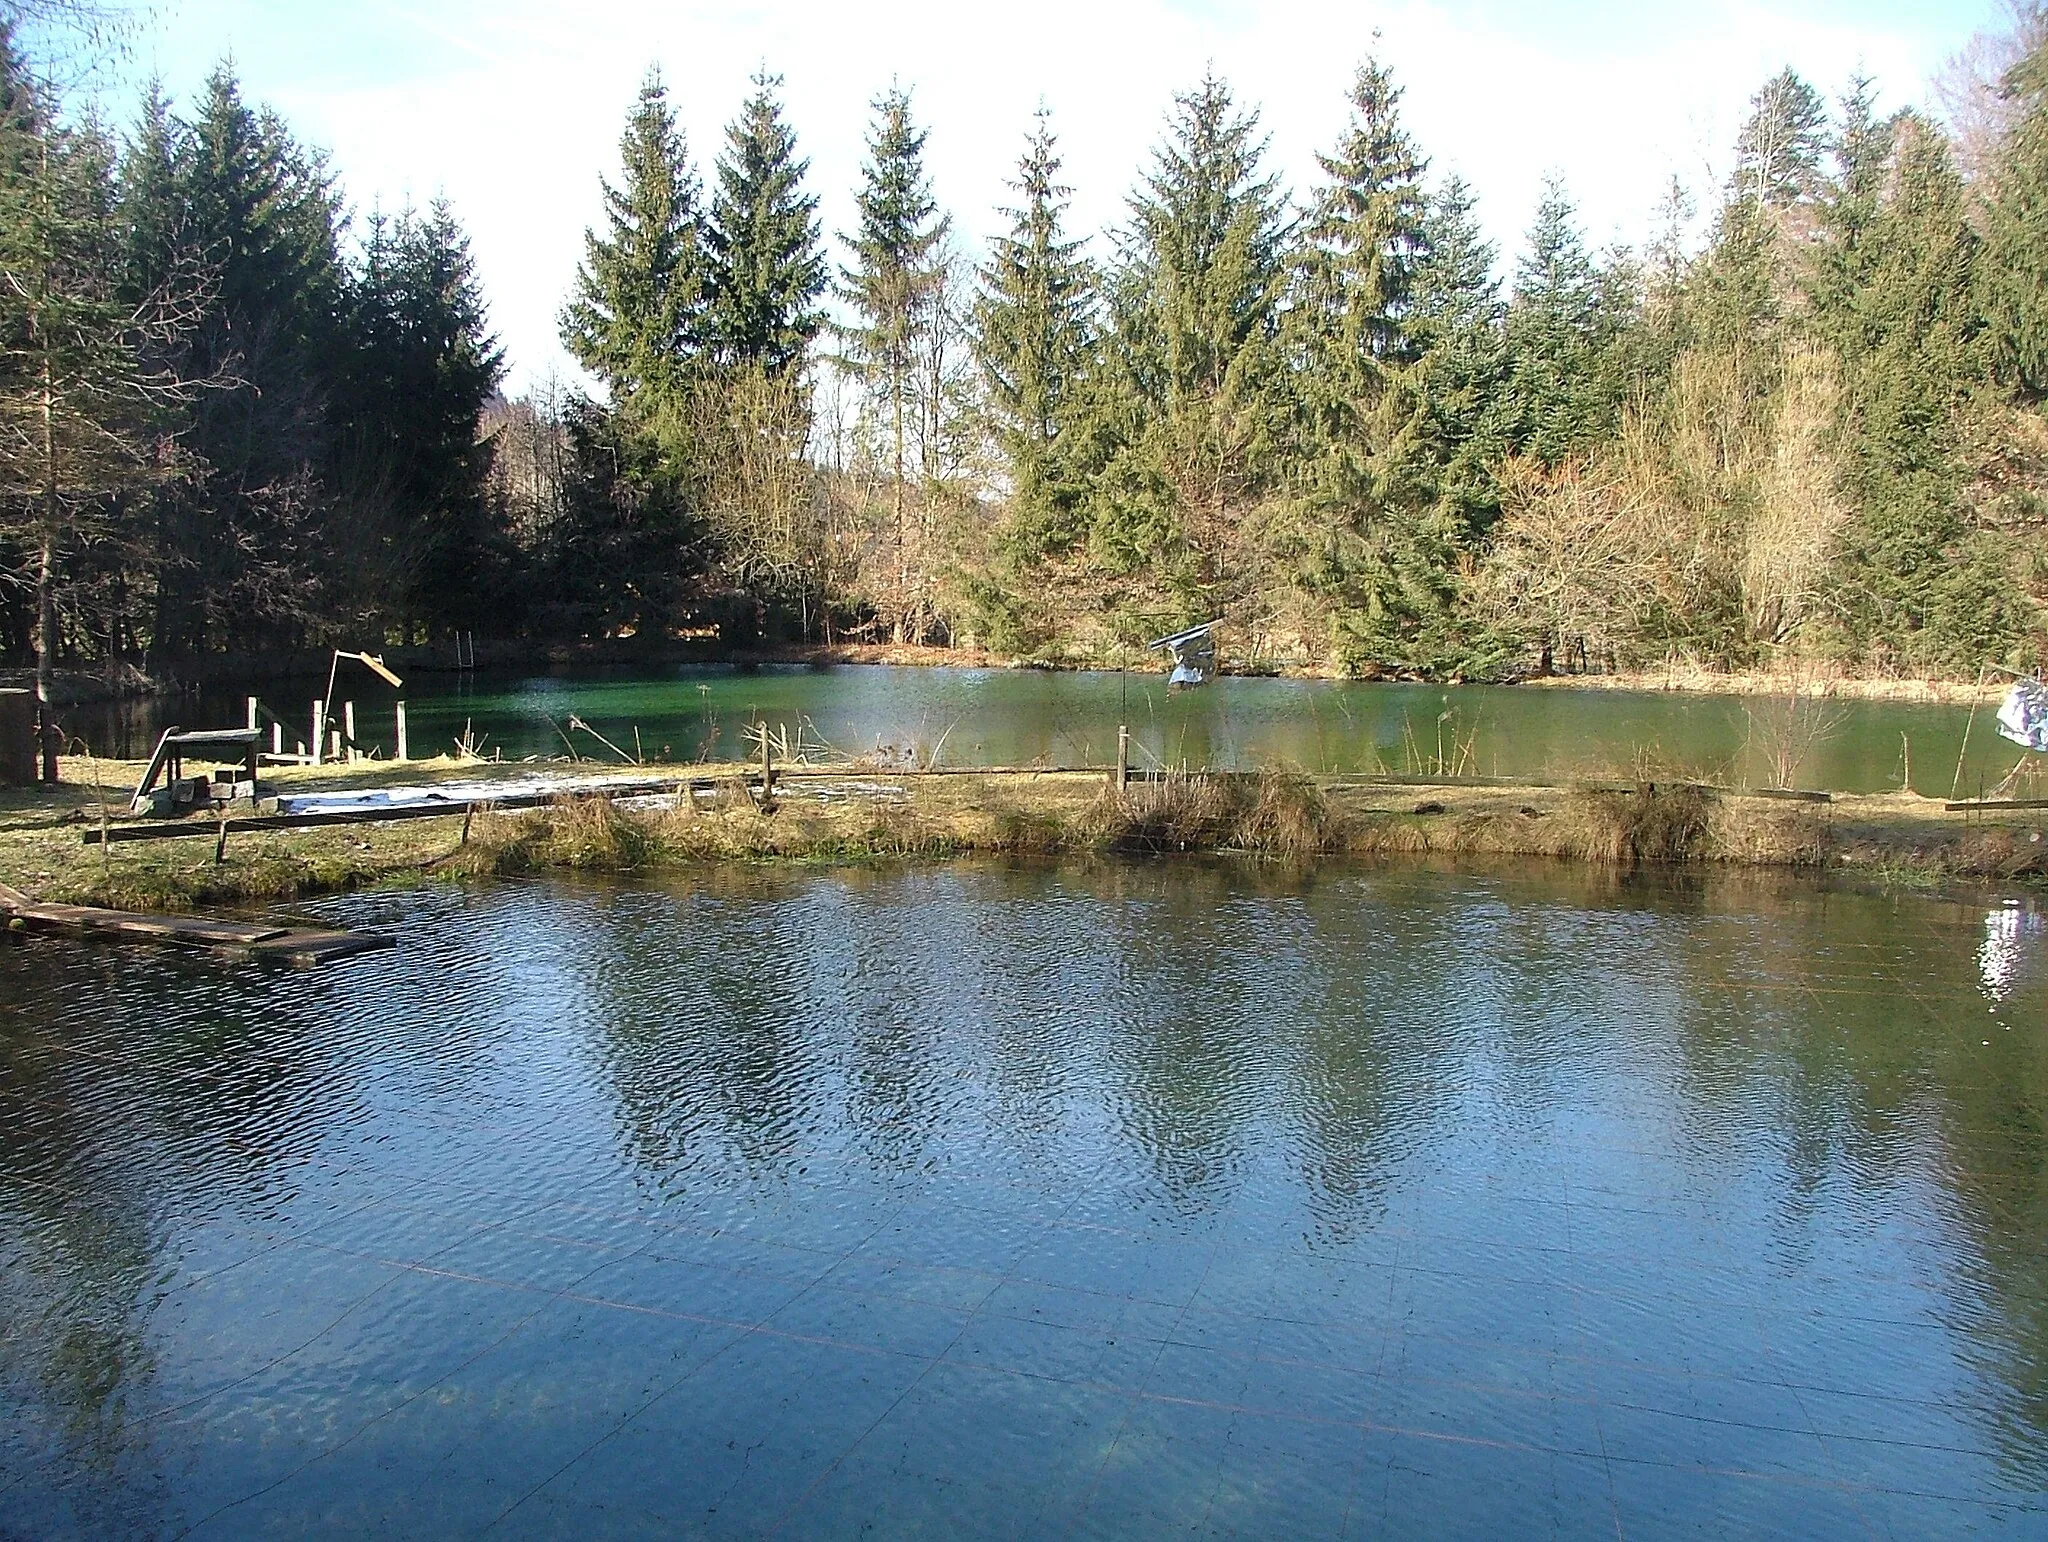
point(348, 729)
point(319, 730)
point(1123, 758)
point(252, 712)
point(767, 772)
point(402, 755)
point(276, 738)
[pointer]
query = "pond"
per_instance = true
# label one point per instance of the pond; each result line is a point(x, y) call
point(1022, 717)
point(1109, 1199)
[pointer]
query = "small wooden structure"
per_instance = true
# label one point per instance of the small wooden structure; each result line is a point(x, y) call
point(237, 748)
point(299, 946)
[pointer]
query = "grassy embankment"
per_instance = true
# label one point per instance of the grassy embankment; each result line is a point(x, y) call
point(1893, 838)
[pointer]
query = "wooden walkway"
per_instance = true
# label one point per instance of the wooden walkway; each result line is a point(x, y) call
point(299, 946)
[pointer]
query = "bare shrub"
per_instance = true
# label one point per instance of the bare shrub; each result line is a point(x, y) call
point(1798, 511)
point(1789, 726)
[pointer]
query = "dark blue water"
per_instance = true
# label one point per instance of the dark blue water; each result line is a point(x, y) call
point(1125, 1200)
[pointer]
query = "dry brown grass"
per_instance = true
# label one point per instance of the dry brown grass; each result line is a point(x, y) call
point(1892, 838)
point(1274, 813)
point(1615, 829)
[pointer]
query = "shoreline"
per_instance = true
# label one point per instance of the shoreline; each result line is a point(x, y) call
point(858, 815)
point(218, 672)
point(1677, 678)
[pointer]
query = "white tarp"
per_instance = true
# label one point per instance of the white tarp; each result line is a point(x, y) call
point(2024, 717)
point(364, 799)
point(1193, 652)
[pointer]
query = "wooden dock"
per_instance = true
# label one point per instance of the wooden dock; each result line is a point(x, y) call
point(301, 947)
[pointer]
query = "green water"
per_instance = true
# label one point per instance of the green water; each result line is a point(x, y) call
point(1021, 717)
point(1122, 1200)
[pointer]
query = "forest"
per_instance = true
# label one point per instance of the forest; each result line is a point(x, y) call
point(237, 418)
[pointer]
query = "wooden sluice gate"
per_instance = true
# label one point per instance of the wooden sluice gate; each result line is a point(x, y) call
point(299, 946)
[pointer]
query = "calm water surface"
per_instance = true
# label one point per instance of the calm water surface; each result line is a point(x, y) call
point(1020, 717)
point(1118, 1200)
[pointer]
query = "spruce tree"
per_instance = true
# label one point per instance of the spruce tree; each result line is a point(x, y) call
point(1455, 325)
point(1207, 238)
point(1365, 235)
point(1561, 321)
point(422, 366)
point(892, 289)
point(636, 318)
point(1362, 453)
point(2013, 280)
point(151, 211)
point(766, 270)
point(1910, 346)
point(244, 561)
point(1035, 340)
point(1196, 364)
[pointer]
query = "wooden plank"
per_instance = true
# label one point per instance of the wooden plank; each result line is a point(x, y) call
point(140, 798)
point(1993, 805)
point(305, 949)
point(300, 946)
point(193, 929)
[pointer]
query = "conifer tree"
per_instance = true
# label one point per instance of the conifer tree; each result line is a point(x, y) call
point(1363, 457)
point(1196, 363)
point(1560, 322)
point(151, 212)
point(766, 268)
point(1910, 352)
point(243, 561)
point(81, 405)
point(636, 318)
point(1207, 238)
point(423, 364)
point(1365, 234)
point(2013, 282)
point(1035, 340)
point(892, 289)
point(1455, 325)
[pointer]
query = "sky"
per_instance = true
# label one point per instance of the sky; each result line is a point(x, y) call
point(512, 109)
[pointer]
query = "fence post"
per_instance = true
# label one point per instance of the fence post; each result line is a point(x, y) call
point(348, 730)
point(402, 755)
point(252, 712)
point(319, 731)
point(1123, 758)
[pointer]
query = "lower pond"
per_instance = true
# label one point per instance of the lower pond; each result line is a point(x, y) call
point(968, 717)
point(1119, 1199)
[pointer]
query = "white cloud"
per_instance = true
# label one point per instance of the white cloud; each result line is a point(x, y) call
point(513, 108)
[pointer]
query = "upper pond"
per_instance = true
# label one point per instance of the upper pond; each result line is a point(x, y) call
point(1021, 717)
point(1117, 1199)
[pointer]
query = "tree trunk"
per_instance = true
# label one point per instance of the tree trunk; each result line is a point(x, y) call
point(902, 525)
point(46, 581)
